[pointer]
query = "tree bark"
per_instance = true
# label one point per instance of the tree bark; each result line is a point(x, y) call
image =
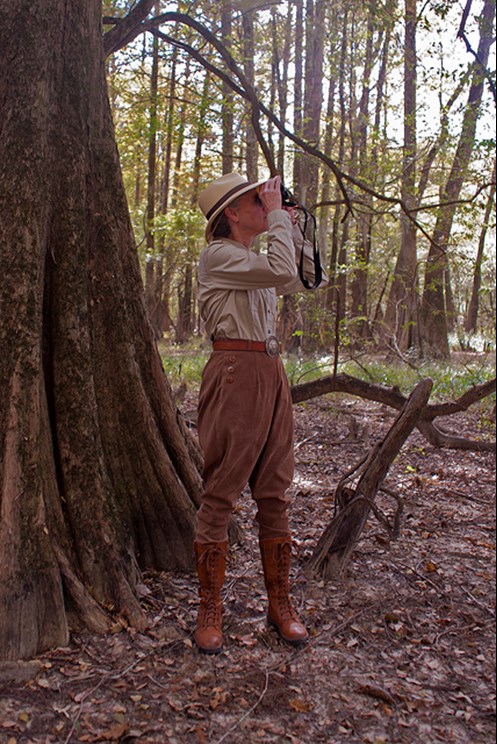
point(97, 472)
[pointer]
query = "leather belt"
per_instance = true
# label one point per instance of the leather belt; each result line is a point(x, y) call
point(271, 346)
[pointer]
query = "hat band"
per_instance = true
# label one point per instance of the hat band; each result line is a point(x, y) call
point(227, 197)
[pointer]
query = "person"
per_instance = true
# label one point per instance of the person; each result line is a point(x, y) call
point(245, 418)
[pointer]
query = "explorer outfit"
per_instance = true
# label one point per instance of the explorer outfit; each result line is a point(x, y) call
point(245, 421)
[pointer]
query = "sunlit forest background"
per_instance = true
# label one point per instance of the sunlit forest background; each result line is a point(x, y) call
point(380, 117)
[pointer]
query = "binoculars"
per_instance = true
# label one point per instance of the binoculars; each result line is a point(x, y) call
point(288, 198)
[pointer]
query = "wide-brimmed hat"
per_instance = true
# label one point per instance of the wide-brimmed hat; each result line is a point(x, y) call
point(219, 195)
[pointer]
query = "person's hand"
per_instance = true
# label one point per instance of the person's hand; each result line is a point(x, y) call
point(270, 194)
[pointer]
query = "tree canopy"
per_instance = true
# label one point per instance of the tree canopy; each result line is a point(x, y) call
point(381, 122)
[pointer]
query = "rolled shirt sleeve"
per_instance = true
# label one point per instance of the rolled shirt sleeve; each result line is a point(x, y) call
point(229, 265)
point(237, 288)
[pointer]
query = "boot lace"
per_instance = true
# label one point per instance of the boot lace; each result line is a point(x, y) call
point(211, 614)
point(285, 607)
point(210, 606)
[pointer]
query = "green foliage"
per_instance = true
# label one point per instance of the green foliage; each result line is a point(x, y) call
point(185, 364)
point(182, 227)
point(449, 381)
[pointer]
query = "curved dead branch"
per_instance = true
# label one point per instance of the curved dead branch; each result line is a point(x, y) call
point(123, 34)
point(126, 29)
point(393, 398)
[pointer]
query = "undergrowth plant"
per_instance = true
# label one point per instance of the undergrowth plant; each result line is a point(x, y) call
point(184, 365)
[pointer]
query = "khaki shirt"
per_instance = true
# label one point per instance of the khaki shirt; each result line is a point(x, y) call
point(238, 288)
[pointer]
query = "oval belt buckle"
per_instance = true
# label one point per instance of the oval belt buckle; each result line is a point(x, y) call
point(272, 347)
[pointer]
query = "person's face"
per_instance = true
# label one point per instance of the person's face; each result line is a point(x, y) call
point(251, 215)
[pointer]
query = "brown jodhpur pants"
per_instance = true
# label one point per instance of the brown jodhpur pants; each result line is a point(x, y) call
point(245, 428)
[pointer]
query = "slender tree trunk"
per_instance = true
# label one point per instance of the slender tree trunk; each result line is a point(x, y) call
point(433, 305)
point(313, 97)
point(251, 149)
point(328, 144)
point(359, 284)
point(152, 146)
point(168, 147)
point(282, 68)
point(150, 279)
point(401, 317)
point(336, 291)
point(290, 322)
point(202, 129)
point(298, 93)
point(166, 250)
point(474, 303)
point(180, 142)
point(96, 467)
point(228, 118)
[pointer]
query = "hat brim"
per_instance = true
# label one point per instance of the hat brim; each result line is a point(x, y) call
point(229, 199)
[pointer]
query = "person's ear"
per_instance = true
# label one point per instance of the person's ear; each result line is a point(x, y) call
point(231, 214)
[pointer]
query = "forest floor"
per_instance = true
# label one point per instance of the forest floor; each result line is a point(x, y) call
point(401, 649)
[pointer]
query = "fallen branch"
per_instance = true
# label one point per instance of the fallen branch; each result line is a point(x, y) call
point(335, 547)
point(393, 397)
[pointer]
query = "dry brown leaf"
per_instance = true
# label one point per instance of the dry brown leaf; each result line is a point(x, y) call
point(299, 705)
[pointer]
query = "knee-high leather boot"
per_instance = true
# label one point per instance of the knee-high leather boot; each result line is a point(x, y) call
point(211, 569)
point(276, 556)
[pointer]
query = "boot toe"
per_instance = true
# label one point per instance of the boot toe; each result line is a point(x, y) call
point(294, 632)
point(209, 641)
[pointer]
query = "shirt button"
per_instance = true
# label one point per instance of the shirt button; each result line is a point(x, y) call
point(229, 380)
point(231, 369)
point(232, 359)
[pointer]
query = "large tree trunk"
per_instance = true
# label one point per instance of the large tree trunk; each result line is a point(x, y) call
point(96, 468)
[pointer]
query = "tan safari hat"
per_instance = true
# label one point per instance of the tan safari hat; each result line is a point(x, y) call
point(219, 195)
